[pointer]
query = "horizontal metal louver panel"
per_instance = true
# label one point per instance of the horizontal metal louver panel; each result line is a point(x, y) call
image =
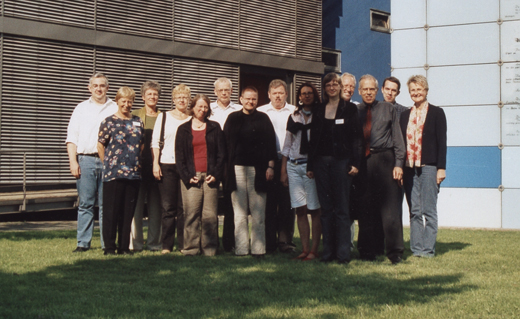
point(200, 76)
point(151, 18)
point(132, 70)
point(300, 78)
point(268, 26)
point(211, 22)
point(308, 29)
point(42, 82)
point(76, 13)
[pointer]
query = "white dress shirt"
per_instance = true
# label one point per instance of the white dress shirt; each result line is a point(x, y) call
point(220, 115)
point(84, 124)
point(279, 121)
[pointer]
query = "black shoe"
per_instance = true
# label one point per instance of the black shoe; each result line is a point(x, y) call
point(258, 256)
point(80, 249)
point(125, 252)
point(396, 260)
point(286, 247)
point(109, 252)
point(343, 262)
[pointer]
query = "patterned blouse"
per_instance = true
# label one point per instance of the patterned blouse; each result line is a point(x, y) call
point(122, 140)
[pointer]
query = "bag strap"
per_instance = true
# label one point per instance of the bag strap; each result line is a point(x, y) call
point(161, 139)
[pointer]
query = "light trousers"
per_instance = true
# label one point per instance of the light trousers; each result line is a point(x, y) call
point(243, 198)
point(200, 218)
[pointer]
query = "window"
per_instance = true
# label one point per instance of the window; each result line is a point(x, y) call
point(379, 21)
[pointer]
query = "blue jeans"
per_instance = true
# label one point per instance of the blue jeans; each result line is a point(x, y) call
point(90, 188)
point(333, 185)
point(421, 194)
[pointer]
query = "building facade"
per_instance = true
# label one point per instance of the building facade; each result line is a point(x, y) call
point(50, 48)
point(471, 57)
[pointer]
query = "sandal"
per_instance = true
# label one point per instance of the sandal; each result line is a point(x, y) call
point(303, 255)
point(310, 256)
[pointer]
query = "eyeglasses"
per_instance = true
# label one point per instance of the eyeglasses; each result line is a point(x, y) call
point(328, 86)
point(371, 90)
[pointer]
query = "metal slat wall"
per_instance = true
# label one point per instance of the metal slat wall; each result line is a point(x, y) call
point(42, 82)
point(200, 76)
point(308, 36)
point(212, 22)
point(300, 78)
point(151, 18)
point(268, 26)
point(132, 69)
point(76, 13)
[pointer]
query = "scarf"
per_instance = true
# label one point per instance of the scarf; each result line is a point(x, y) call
point(414, 133)
point(294, 127)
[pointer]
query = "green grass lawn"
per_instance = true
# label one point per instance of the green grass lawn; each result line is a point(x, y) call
point(475, 275)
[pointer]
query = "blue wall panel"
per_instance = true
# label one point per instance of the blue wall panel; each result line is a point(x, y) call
point(346, 27)
point(473, 167)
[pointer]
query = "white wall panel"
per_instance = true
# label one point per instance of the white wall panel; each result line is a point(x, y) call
point(469, 207)
point(511, 208)
point(510, 167)
point(464, 85)
point(511, 125)
point(473, 125)
point(408, 48)
point(408, 14)
point(464, 44)
point(444, 12)
point(403, 75)
point(509, 35)
point(509, 9)
point(510, 83)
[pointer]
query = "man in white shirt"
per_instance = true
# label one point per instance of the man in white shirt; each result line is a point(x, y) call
point(85, 165)
point(279, 217)
point(223, 106)
point(220, 110)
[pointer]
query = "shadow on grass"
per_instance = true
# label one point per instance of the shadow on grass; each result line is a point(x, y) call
point(158, 286)
point(35, 235)
point(442, 247)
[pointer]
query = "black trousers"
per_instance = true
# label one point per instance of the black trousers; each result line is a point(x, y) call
point(171, 207)
point(380, 218)
point(279, 217)
point(119, 200)
point(225, 208)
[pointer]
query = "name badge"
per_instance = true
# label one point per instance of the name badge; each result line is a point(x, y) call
point(137, 124)
point(340, 121)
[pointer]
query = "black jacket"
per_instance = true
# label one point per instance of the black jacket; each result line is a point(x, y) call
point(267, 147)
point(216, 152)
point(347, 133)
point(434, 145)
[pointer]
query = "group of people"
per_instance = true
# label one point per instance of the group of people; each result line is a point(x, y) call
point(335, 160)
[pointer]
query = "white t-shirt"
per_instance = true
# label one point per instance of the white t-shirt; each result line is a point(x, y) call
point(170, 131)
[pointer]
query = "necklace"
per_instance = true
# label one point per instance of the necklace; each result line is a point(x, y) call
point(198, 127)
point(307, 112)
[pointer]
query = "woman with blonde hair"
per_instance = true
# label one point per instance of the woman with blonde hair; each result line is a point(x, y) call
point(119, 147)
point(424, 130)
point(165, 169)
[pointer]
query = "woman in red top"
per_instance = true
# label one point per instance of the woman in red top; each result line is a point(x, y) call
point(200, 153)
